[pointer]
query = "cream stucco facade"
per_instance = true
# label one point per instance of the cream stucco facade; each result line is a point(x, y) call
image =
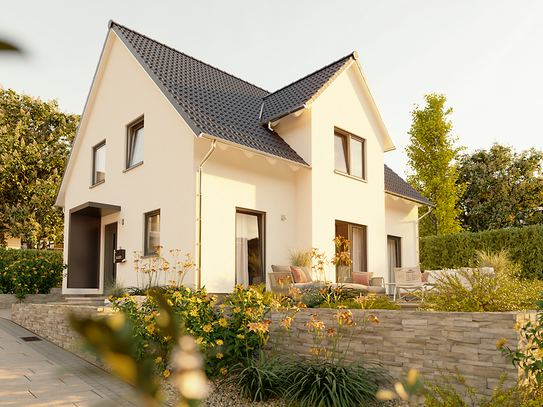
point(299, 204)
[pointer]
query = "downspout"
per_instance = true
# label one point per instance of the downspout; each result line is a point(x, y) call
point(200, 172)
point(426, 214)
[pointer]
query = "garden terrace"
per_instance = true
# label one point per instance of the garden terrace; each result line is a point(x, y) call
point(401, 341)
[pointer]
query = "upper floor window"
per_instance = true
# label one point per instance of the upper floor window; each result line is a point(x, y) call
point(152, 233)
point(349, 154)
point(134, 144)
point(99, 163)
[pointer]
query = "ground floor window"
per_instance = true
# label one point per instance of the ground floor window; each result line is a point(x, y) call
point(152, 233)
point(249, 247)
point(356, 234)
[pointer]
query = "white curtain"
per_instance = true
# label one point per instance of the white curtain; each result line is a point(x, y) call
point(358, 249)
point(392, 261)
point(242, 255)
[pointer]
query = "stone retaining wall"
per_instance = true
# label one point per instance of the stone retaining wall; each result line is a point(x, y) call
point(50, 321)
point(424, 340)
point(6, 300)
point(403, 339)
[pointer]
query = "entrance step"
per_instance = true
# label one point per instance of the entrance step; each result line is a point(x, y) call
point(86, 299)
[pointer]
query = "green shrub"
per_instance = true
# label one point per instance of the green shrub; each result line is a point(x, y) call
point(30, 271)
point(446, 393)
point(524, 244)
point(530, 356)
point(223, 334)
point(501, 291)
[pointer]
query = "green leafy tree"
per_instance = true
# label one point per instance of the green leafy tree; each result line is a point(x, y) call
point(503, 188)
point(35, 141)
point(431, 155)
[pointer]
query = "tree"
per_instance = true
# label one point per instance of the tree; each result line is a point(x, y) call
point(35, 141)
point(503, 188)
point(431, 154)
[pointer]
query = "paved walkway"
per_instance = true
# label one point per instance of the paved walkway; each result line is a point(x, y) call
point(40, 373)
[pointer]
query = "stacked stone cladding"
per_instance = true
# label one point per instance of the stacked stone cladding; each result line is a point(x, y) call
point(422, 340)
point(402, 340)
point(51, 321)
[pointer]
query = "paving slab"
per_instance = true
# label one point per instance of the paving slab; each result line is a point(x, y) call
point(40, 373)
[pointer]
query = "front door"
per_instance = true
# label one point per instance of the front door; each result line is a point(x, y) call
point(110, 242)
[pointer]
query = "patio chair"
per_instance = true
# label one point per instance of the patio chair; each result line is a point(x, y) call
point(408, 281)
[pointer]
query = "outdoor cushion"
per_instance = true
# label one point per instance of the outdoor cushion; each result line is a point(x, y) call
point(277, 269)
point(361, 278)
point(307, 272)
point(298, 274)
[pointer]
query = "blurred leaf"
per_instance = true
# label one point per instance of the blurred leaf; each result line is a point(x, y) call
point(4, 46)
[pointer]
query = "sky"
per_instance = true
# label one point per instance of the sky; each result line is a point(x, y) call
point(486, 57)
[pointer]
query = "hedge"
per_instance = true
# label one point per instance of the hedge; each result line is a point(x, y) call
point(525, 246)
point(30, 271)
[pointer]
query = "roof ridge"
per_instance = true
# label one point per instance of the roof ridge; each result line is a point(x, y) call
point(111, 22)
point(351, 55)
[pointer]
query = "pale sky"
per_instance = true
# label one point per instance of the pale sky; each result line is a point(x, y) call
point(486, 57)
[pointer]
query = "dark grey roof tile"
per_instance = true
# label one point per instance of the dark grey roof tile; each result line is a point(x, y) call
point(397, 186)
point(294, 96)
point(213, 101)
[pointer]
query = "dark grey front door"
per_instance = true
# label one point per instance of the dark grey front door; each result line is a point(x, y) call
point(110, 267)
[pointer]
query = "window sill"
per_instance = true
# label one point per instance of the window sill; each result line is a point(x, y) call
point(98, 183)
point(148, 256)
point(134, 166)
point(350, 176)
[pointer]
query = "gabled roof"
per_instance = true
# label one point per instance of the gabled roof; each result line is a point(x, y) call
point(395, 185)
point(211, 101)
point(301, 93)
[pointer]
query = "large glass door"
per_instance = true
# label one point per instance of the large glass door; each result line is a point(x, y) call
point(356, 234)
point(249, 247)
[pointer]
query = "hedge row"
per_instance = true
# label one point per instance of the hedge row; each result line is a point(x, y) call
point(525, 246)
point(30, 271)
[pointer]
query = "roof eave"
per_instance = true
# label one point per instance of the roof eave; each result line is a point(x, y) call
point(59, 198)
point(407, 198)
point(388, 142)
point(251, 150)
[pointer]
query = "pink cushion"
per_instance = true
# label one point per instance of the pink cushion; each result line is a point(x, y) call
point(424, 277)
point(298, 274)
point(361, 278)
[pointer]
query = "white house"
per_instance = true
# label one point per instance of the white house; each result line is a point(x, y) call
point(171, 151)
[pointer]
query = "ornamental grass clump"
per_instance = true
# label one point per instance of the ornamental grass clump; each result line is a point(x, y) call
point(324, 378)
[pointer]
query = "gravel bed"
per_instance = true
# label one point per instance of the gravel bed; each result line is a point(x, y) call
point(227, 398)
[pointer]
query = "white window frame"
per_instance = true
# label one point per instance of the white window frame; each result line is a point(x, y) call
point(135, 137)
point(348, 154)
point(95, 150)
point(148, 251)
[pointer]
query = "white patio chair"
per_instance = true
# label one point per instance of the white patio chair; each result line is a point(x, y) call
point(408, 281)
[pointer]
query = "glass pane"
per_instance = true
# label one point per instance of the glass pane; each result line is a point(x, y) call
point(100, 164)
point(248, 249)
point(136, 148)
point(153, 233)
point(340, 153)
point(357, 167)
